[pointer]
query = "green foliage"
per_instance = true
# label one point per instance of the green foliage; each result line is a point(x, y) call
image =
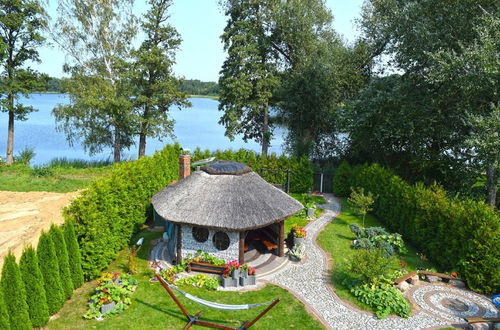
point(40, 171)
point(455, 234)
point(108, 213)
point(57, 237)
point(369, 265)
point(342, 179)
point(361, 203)
point(25, 155)
point(4, 316)
point(197, 87)
point(74, 256)
point(200, 281)
point(49, 267)
point(13, 289)
point(33, 283)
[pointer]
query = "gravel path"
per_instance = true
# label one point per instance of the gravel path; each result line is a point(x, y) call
point(308, 282)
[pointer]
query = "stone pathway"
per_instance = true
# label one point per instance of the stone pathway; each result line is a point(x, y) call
point(308, 282)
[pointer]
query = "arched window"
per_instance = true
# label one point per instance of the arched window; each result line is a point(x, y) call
point(221, 240)
point(200, 234)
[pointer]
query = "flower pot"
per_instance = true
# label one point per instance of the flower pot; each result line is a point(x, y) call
point(235, 274)
point(107, 307)
point(229, 282)
point(310, 212)
point(298, 240)
point(244, 273)
point(249, 280)
point(252, 279)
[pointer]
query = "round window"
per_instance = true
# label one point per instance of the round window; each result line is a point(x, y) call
point(200, 234)
point(221, 240)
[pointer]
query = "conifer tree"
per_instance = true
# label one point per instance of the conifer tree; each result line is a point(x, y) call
point(13, 290)
point(57, 237)
point(33, 283)
point(74, 256)
point(4, 316)
point(47, 260)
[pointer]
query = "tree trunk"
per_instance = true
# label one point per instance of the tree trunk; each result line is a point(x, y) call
point(116, 146)
point(10, 136)
point(492, 184)
point(142, 133)
point(265, 131)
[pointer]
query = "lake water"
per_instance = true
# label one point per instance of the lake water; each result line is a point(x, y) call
point(194, 127)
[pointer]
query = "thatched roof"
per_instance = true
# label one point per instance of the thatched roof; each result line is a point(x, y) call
point(233, 198)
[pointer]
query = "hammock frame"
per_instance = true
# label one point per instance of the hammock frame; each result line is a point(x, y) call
point(195, 319)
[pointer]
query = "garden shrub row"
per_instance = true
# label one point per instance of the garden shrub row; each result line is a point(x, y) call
point(301, 176)
point(455, 234)
point(114, 207)
point(38, 287)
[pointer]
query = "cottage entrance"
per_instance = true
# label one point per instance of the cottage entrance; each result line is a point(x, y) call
point(258, 243)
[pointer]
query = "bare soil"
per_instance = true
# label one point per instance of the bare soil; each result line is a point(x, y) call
point(23, 216)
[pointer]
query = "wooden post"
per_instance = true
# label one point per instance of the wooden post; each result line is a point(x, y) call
point(179, 244)
point(281, 238)
point(241, 256)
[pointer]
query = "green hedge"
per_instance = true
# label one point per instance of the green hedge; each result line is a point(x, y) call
point(107, 214)
point(456, 234)
point(301, 177)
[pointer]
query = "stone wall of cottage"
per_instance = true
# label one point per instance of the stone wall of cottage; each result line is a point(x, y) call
point(190, 245)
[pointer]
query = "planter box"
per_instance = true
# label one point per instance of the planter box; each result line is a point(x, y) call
point(250, 280)
point(244, 273)
point(310, 212)
point(235, 274)
point(297, 240)
point(229, 282)
point(107, 307)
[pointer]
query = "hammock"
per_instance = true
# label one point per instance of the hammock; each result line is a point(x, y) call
point(215, 305)
point(194, 319)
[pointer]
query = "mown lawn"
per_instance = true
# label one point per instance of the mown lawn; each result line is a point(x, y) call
point(336, 239)
point(152, 308)
point(20, 177)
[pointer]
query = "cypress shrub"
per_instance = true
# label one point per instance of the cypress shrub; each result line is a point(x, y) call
point(57, 237)
point(75, 262)
point(33, 283)
point(341, 180)
point(49, 266)
point(455, 234)
point(14, 294)
point(4, 316)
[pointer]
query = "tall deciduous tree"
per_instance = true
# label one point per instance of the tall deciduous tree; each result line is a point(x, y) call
point(21, 22)
point(74, 256)
point(35, 292)
point(57, 237)
point(97, 35)
point(13, 289)
point(49, 266)
point(156, 88)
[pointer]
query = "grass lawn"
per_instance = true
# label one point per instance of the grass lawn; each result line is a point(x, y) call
point(336, 239)
point(20, 177)
point(301, 217)
point(152, 308)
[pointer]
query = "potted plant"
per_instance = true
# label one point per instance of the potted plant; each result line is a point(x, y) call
point(310, 207)
point(244, 270)
point(299, 234)
point(233, 268)
point(250, 278)
point(227, 281)
point(298, 252)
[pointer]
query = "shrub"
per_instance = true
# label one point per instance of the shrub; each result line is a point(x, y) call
point(57, 237)
point(13, 289)
point(74, 257)
point(4, 316)
point(356, 230)
point(49, 266)
point(361, 203)
point(369, 265)
point(33, 283)
point(41, 171)
point(453, 233)
point(200, 281)
point(342, 180)
point(25, 155)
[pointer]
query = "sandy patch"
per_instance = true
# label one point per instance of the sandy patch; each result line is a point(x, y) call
point(23, 216)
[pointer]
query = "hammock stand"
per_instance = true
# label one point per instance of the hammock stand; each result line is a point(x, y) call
point(194, 319)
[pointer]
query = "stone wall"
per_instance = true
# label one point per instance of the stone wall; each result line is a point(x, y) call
point(190, 245)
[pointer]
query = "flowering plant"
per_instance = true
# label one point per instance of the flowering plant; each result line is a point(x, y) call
point(298, 231)
point(230, 266)
point(250, 269)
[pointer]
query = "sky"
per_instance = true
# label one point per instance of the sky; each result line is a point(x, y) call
point(200, 24)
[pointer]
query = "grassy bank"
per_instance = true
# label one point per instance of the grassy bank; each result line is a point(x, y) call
point(336, 239)
point(213, 97)
point(152, 308)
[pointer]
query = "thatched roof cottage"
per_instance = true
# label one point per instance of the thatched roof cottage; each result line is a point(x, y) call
point(225, 209)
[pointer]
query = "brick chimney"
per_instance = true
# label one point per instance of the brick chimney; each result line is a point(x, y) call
point(184, 166)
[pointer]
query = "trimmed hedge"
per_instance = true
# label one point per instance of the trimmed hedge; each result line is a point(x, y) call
point(455, 234)
point(75, 259)
point(341, 180)
point(15, 294)
point(49, 266)
point(301, 177)
point(33, 282)
point(4, 316)
point(113, 208)
point(57, 237)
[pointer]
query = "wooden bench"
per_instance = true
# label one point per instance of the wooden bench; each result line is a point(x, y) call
point(205, 268)
point(404, 278)
point(269, 245)
point(480, 320)
point(444, 276)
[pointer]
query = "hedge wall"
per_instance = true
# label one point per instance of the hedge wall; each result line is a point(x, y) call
point(461, 235)
point(107, 214)
point(301, 177)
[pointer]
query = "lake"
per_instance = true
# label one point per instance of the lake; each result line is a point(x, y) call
point(194, 127)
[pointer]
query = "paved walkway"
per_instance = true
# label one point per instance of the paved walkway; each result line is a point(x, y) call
point(309, 280)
